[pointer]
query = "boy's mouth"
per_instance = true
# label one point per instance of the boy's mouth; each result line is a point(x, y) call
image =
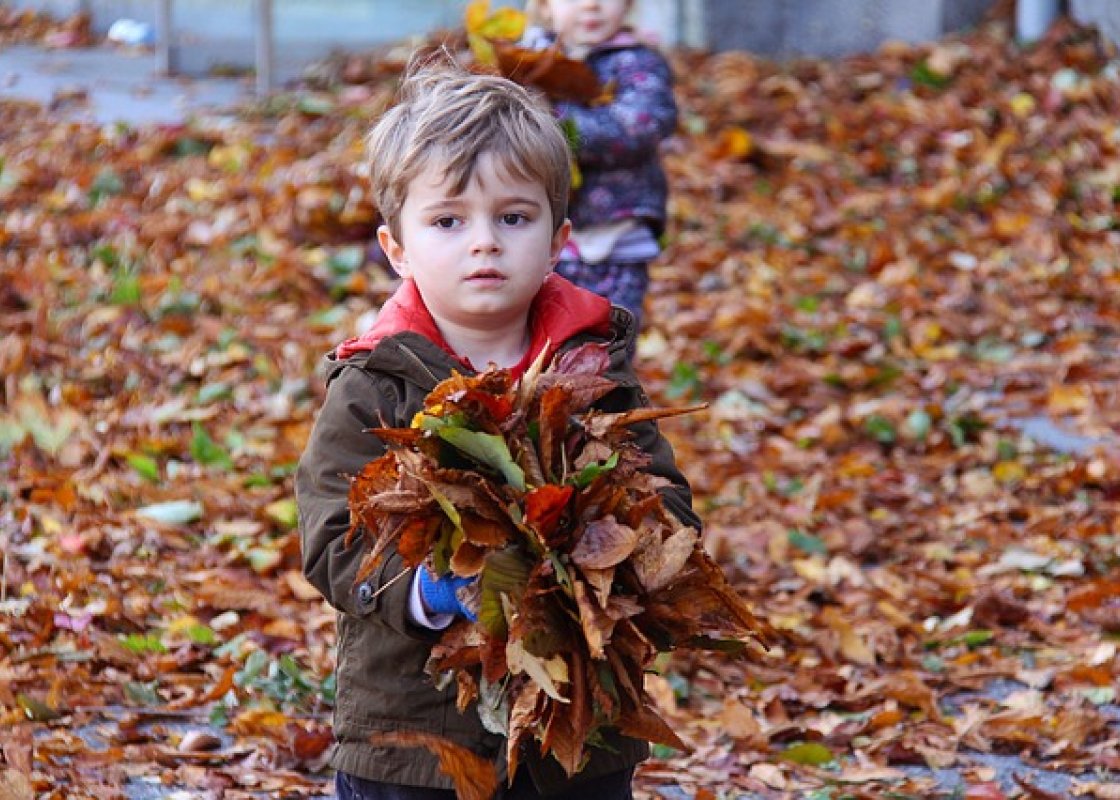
point(486, 275)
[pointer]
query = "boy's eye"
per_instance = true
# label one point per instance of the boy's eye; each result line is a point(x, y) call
point(446, 222)
point(513, 218)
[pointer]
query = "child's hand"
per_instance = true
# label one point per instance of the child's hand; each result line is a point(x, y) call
point(446, 595)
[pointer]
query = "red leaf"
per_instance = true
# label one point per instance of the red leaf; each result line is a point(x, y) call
point(544, 508)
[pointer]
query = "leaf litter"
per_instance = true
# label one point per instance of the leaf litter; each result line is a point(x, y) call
point(877, 268)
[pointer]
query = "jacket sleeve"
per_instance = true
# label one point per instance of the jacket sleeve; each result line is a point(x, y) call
point(678, 496)
point(337, 449)
point(628, 130)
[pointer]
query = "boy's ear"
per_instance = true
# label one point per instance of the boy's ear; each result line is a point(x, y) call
point(393, 250)
point(559, 239)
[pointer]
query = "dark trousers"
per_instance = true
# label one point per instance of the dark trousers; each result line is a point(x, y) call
point(615, 786)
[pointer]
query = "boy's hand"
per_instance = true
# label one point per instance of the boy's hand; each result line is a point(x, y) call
point(445, 595)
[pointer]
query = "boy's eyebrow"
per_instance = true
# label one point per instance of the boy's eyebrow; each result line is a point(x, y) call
point(513, 199)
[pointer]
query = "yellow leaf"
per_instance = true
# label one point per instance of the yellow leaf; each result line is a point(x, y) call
point(181, 625)
point(1022, 104)
point(200, 191)
point(483, 51)
point(284, 511)
point(228, 157)
point(734, 144)
point(504, 23)
point(1067, 399)
point(1009, 472)
point(476, 14)
point(852, 646)
point(1009, 224)
point(255, 721)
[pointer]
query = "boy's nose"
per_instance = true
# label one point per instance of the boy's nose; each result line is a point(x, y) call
point(486, 240)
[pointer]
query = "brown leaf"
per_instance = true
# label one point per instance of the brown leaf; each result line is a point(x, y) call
point(555, 409)
point(474, 777)
point(600, 425)
point(559, 77)
point(567, 724)
point(526, 708)
point(15, 785)
point(604, 543)
point(658, 562)
point(645, 723)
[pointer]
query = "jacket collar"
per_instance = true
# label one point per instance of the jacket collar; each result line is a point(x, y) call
point(560, 311)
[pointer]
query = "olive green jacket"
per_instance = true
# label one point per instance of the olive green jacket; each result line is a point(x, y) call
point(382, 685)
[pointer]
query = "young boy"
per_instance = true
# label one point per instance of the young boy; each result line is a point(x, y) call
point(471, 174)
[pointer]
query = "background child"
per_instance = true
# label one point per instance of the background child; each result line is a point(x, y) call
point(472, 177)
point(618, 212)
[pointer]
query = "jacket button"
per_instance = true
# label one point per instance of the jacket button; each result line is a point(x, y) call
point(365, 593)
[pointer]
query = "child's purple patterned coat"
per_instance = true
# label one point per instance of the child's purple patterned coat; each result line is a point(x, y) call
point(618, 142)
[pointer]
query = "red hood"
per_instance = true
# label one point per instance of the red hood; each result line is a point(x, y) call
point(559, 311)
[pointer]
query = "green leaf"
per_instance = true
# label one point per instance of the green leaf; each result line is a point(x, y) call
point(994, 351)
point(588, 474)
point(1099, 695)
point(918, 423)
point(212, 392)
point(315, 105)
point(346, 260)
point(107, 184)
point(11, 434)
point(812, 754)
point(924, 75)
point(262, 559)
point(880, 429)
point(126, 288)
point(202, 634)
point(488, 449)
point(506, 573)
point(807, 542)
point(173, 512)
point(141, 643)
point(255, 664)
point(36, 710)
point(685, 381)
point(206, 451)
point(977, 638)
point(285, 512)
point(146, 466)
point(189, 146)
point(144, 694)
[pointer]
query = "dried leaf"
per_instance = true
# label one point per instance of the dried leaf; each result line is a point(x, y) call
point(475, 778)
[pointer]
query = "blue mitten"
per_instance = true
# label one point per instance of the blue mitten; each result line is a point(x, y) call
point(441, 595)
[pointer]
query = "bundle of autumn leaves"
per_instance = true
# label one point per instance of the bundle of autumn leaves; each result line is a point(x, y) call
point(583, 576)
point(493, 36)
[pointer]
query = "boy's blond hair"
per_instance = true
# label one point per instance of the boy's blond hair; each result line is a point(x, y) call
point(454, 116)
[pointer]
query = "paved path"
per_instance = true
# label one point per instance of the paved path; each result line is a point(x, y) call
point(118, 85)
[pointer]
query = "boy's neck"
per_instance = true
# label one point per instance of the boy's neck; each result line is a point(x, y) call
point(506, 347)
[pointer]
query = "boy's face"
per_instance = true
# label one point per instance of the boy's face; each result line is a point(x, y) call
point(480, 257)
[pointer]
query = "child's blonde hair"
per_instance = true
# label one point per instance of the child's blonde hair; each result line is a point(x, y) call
point(455, 116)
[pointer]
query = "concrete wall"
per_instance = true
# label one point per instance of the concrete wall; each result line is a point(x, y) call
point(828, 27)
point(1105, 14)
point(221, 32)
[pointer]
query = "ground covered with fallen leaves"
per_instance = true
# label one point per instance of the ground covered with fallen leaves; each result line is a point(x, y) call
point(893, 277)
